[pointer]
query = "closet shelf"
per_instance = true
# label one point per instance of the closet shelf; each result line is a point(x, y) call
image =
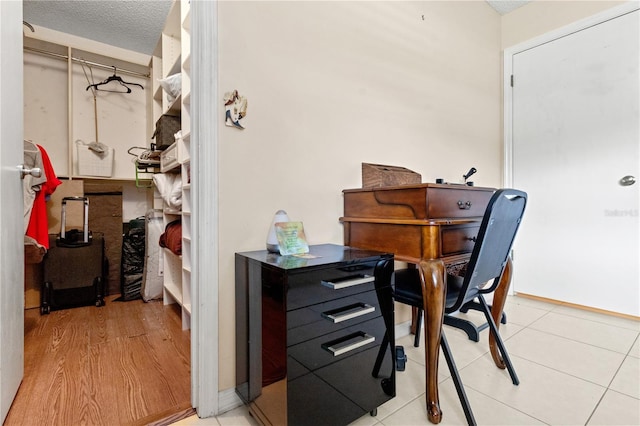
point(157, 94)
point(186, 22)
point(173, 57)
point(166, 250)
point(175, 106)
point(175, 68)
point(186, 63)
point(174, 291)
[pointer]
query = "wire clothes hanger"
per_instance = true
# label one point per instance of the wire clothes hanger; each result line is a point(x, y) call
point(118, 79)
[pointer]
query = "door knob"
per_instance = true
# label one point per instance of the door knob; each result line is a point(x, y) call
point(627, 180)
point(35, 172)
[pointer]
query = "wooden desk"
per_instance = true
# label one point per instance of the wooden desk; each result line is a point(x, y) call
point(430, 225)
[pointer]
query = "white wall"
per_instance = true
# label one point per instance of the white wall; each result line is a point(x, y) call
point(333, 84)
point(121, 117)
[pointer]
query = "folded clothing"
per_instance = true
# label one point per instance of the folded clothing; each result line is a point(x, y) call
point(169, 186)
point(171, 238)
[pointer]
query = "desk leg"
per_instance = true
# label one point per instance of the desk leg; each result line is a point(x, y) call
point(433, 294)
point(497, 306)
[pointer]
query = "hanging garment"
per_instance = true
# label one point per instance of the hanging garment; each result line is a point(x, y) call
point(31, 184)
point(38, 227)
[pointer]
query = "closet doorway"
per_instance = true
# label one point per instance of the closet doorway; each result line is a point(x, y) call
point(204, 384)
point(123, 363)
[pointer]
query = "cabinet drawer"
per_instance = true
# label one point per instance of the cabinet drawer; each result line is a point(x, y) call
point(334, 347)
point(458, 239)
point(362, 388)
point(169, 158)
point(457, 202)
point(323, 285)
point(324, 318)
point(312, 401)
point(351, 388)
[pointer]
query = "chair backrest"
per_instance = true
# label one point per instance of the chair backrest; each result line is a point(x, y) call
point(495, 238)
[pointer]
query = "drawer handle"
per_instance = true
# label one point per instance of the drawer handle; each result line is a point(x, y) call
point(348, 312)
point(339, 283)
point(464, 205)
point(335, 348)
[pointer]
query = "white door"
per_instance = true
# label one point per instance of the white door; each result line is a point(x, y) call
point(11, 217)
point(575, 135)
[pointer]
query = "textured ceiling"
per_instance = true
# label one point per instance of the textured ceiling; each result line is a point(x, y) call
point(506, 6)
point(129, 24)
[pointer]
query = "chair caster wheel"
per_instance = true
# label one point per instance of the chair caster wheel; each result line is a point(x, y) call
point(401, 358)
point(373, 412)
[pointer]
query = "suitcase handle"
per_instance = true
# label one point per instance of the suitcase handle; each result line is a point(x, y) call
point(85, 220)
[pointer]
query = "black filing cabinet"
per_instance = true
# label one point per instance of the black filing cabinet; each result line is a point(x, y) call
point(309, 330)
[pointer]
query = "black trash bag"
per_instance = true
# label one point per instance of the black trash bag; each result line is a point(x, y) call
point(132, 266)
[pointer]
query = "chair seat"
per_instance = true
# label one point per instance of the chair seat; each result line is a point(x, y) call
point(407, 287)
point(408, 290)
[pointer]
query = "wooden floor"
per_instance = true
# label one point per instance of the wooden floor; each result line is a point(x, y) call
point(127, 363)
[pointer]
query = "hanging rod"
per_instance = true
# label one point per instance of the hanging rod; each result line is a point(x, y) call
point(94, 64)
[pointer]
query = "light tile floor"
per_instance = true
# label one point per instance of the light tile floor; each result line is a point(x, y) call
point(576, 367)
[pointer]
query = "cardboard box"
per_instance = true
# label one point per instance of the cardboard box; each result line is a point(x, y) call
point(377, 175)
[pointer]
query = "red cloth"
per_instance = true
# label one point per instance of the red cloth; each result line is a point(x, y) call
point(171, 238)
point(38, 228)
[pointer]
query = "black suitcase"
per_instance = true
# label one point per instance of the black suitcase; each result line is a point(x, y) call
point(74, 266)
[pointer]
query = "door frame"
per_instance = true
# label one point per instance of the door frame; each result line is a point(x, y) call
point(205, 397)
point(510, 52)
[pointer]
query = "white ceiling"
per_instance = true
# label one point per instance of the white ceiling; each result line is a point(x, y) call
point(506, 6)
point(129, 24)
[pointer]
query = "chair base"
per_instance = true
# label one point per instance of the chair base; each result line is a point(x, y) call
point(472, 330)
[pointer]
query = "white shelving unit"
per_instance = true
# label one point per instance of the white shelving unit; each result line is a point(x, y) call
point(170, 57)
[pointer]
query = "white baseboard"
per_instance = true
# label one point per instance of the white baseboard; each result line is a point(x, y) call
point(228, 399)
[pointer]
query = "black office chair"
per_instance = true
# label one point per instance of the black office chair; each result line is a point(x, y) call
point(406, 295)
point(489, 257)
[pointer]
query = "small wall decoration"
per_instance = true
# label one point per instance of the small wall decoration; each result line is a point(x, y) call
point(235, 109)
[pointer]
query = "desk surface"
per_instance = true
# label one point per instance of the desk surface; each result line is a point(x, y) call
point(319, 255)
